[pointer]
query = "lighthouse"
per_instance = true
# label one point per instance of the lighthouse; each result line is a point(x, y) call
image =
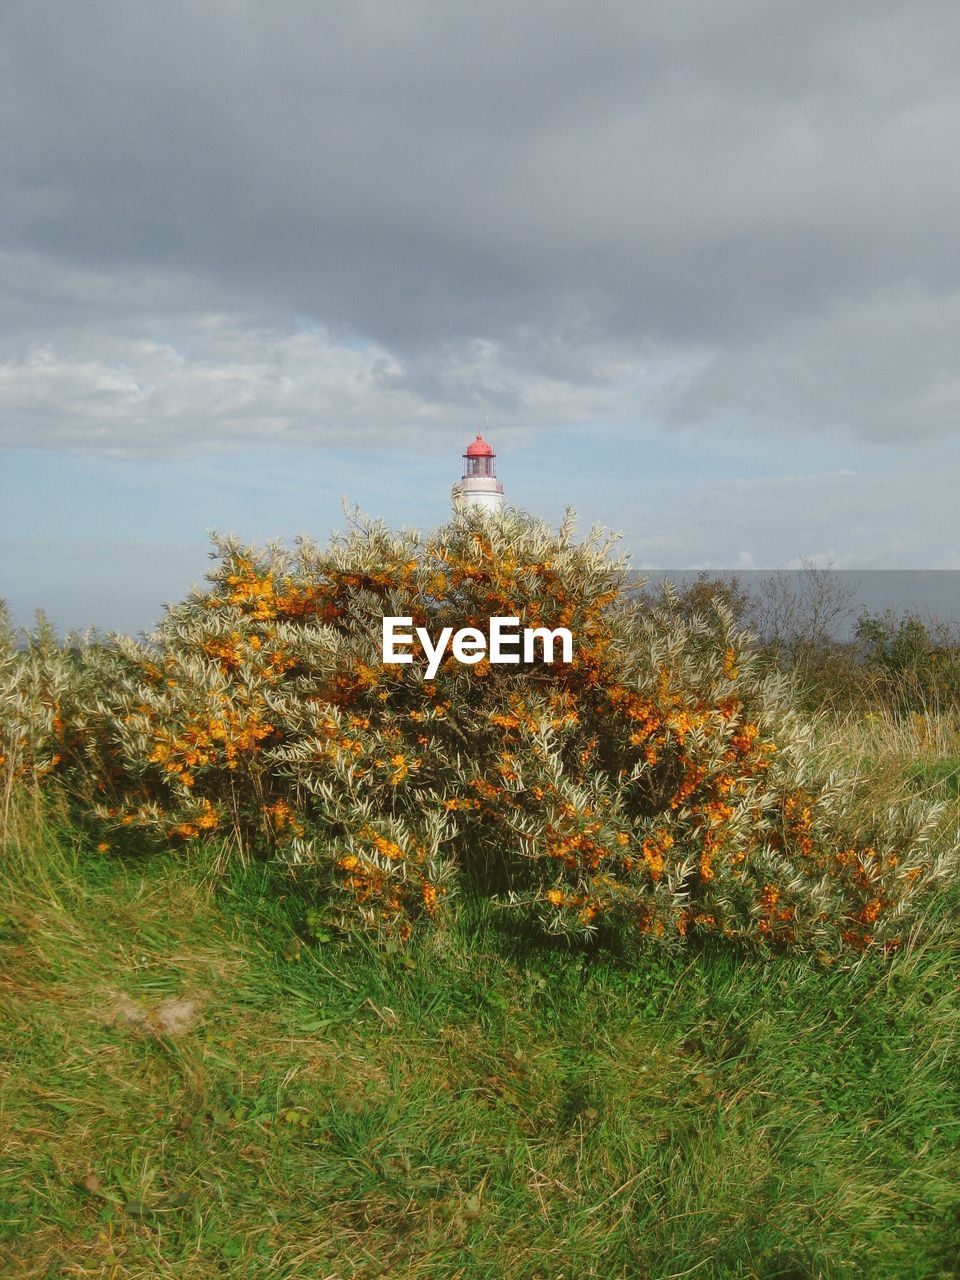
point(478, 488)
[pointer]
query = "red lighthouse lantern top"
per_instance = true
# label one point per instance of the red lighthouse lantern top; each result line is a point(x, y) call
point(479, 460)
point(479, 448)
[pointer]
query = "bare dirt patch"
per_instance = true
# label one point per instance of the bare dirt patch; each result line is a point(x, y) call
point(171, 1017)
point(175, 1016)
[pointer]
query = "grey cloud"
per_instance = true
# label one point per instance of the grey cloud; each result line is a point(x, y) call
point(885, 365)
point(125, 380)
point(514, 209)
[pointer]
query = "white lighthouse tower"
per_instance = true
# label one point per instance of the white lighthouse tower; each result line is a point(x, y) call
point(478, 488)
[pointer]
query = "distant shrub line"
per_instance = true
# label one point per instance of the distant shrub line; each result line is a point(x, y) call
point(805, 624)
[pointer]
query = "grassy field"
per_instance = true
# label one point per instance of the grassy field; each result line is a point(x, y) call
point(193, 1084)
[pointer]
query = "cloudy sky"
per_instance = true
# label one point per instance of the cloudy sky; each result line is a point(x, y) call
point(694, 269)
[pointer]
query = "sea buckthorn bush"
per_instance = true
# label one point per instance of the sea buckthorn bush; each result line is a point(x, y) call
point(659, 785)
point(35, 676)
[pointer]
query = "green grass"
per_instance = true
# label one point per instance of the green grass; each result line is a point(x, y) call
point(483, 1106)
point(938, 775)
